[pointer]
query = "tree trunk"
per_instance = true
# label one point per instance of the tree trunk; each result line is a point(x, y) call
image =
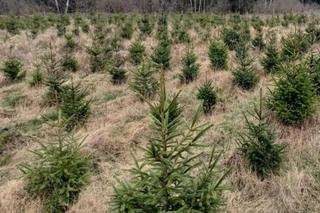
point(194, 5)
point(57, 6)
point(67, 7)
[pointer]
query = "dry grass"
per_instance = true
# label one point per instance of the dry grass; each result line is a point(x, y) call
point(119, 122)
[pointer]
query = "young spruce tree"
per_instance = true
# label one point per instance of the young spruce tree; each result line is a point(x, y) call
point(143, 83)
point(257, 143)
point(231, 38)
point(294, 46)
point(55, 83)
point(245, 75)
point(293, 98)
point(58, 172)
point(97, 57)
point(162, 54)
point(137, 52)
point(258, 41)
point(75, 109)
point(170, 177)
point(116, 70)
point(12, 69)
point(218, 55)
point(55, 77)
point(314, 71)
point(271, 61)
point(190, 68)
point(127, 30)
point(145, 25)
point(208, 96)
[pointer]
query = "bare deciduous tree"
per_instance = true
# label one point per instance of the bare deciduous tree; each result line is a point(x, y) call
point(57, 6)
point(67, 7)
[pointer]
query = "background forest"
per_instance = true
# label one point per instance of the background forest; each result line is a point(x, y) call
point(242, 6)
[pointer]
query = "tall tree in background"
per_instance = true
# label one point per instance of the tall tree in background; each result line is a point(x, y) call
point(67, 7)
point(60, 5)
point(241, 6)
point(57, 6)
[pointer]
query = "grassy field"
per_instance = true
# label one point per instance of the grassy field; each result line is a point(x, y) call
point(119, 121)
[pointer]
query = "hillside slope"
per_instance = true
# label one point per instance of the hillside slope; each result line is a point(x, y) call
point(120, 121)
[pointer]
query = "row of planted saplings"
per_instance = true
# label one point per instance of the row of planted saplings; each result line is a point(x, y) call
point(245, 76)
point(170, 150)
point(236, 39)
point(38, 23)
point(174, 180)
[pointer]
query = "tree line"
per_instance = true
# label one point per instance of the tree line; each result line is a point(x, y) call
point(69, 6)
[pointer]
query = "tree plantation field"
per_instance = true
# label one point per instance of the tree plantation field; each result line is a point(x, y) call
point(160, 113)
